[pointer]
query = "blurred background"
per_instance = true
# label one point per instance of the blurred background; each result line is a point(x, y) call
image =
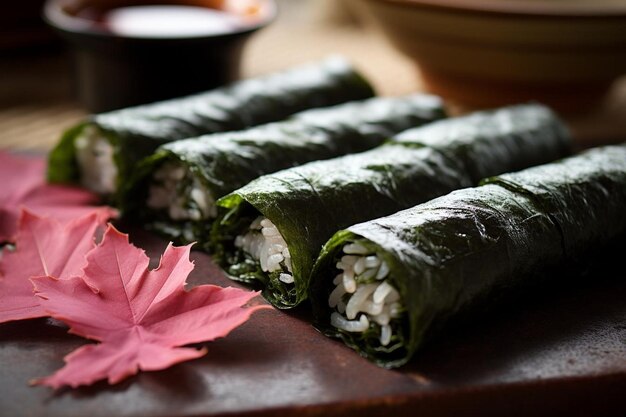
point(37, 92)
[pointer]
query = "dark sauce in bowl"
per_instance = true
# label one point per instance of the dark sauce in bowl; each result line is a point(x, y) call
point(129, 52)
point(166, 19)
point(169, 21)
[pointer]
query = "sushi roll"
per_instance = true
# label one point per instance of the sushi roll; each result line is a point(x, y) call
point(381, 286)
point(174, 191)
point(100, 153)
point(270, 232)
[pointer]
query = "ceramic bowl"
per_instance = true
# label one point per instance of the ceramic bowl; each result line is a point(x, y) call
point(116, 69)
point(492, 52)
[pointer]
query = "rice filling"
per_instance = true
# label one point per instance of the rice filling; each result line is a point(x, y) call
point(363, 297)
point(95, 158)
point(180, 194)
point(264, 243)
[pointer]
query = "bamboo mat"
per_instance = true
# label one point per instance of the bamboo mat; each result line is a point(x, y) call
point(36, 102)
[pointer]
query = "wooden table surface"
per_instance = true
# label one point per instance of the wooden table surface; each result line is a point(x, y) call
point(561, 351)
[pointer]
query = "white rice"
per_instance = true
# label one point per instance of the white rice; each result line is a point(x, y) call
point(374, 302)
point(264, 242)
point(195, 202)
point(340, 322)
point(94, 155)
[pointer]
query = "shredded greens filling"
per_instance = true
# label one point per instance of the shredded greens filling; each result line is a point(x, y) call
point(260, 256)
point(95, 158)
point(179, 202)
point(264, 243)
point(181, 194)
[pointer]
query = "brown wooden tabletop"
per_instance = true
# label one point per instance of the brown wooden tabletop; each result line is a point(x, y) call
point(560, 352)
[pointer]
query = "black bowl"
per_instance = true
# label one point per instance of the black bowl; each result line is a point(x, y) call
point(114, 71)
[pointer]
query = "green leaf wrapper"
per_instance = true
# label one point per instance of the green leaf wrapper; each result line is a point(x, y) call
point(137, 131)
point(224, 162)
point(308, 204)
point(465, 248)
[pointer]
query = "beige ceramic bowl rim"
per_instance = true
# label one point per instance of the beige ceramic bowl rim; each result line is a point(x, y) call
point(534, 8)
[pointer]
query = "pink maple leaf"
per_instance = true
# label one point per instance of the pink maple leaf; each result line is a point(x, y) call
point(42, 247)
point(24, 186)
point(141, 316)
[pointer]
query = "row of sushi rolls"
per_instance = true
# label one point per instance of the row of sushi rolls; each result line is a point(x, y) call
point(384, 215)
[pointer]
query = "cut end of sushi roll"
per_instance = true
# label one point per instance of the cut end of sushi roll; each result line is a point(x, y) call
point(264, 243)
point(96, 163)
point(261, 257)
point(175, 191)
point(365, 305)
point(252, 249)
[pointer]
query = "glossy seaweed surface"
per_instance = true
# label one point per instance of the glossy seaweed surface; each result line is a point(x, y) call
point(466, 248)
point(310, 203)
point(227, 161)
point(136, 132)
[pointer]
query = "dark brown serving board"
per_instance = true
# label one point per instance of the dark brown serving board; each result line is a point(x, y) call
point(562, 353)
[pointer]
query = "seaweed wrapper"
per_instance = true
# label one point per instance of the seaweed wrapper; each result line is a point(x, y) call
point(504, 140)
point(308, 204)
point(466, 248)
point(137, 131)
point(227, 161)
